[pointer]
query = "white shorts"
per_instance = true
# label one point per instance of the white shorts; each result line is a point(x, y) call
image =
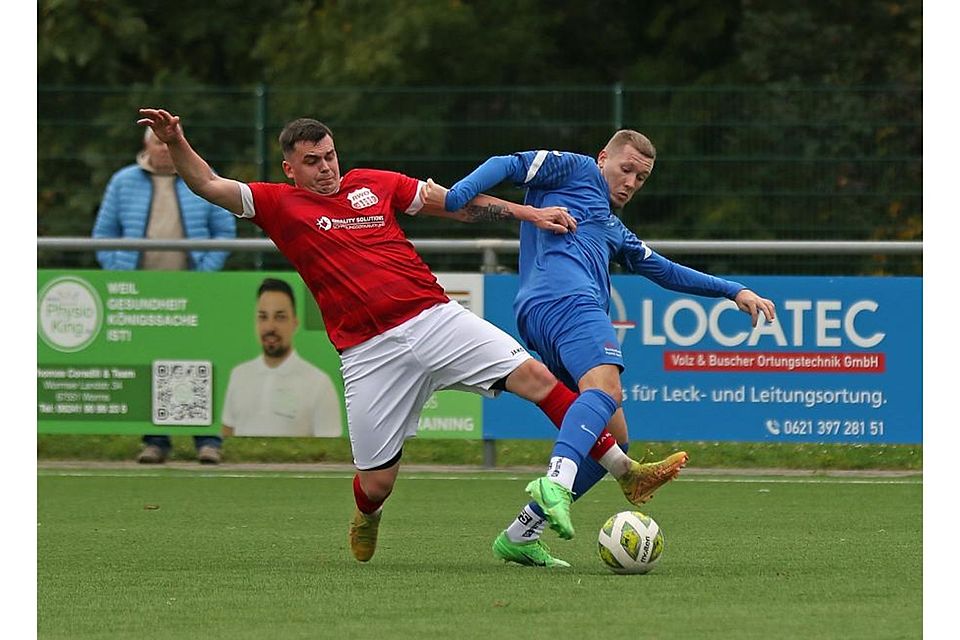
point(389, 378)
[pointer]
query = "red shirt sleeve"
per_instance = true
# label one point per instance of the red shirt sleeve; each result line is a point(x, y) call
point(406, 195)
point(266, 195)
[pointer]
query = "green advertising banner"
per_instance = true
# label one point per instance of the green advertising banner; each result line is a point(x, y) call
point(139, 352)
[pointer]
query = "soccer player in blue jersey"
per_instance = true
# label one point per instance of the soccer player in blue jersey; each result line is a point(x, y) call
point(562, 311)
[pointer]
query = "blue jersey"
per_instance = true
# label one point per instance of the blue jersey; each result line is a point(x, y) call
point(554, 266)
point(563, 303)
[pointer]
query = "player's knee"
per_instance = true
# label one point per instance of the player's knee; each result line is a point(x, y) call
point(540, 376)
point(616, 392)
point(531, 380)
point(611, 388)
point(377, 485)
point(378, 489)
point(605, 378)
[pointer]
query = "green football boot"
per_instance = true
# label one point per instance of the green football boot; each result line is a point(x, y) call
point(530, 554)
point(555, 501)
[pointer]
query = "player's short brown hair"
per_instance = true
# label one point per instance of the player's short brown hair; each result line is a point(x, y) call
point(302, 129)
point(633, 138)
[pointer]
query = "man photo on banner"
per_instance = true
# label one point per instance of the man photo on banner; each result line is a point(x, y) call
point(278, 393)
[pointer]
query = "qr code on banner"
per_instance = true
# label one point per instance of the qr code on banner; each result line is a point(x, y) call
point(182, 392)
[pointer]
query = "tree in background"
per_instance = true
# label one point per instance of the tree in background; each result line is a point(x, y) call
point(758, 107)
point(877, 169)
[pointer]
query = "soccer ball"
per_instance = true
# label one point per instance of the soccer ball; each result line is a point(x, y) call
point(630, 542)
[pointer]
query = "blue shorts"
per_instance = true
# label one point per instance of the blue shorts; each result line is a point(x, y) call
point(572, 336)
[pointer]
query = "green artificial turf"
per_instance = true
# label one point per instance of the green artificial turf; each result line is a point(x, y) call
point(170, 553)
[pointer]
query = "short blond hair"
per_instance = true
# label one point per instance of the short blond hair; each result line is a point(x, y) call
point(633, 138)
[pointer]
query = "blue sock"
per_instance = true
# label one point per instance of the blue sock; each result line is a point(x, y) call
point(537, 509)
point(589, 474)
point(582, 425)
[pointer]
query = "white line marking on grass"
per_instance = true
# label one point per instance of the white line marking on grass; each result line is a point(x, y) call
point(805, 480)
point(321, 475)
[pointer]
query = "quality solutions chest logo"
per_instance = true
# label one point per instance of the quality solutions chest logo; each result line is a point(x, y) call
point(351, 224)
point(69, 314)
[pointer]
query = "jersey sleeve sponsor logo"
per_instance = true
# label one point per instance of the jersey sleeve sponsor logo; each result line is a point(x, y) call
point(362, 198)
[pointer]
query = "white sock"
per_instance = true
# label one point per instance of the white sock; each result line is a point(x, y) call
point(563, 471)
point(526, 527)
point(615, 461)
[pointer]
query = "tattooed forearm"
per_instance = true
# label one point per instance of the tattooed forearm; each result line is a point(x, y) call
point(487, 212)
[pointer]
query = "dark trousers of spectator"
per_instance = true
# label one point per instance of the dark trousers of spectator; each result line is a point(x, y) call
point(198, 441)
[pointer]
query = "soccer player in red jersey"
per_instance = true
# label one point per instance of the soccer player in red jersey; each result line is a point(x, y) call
point(399, 336)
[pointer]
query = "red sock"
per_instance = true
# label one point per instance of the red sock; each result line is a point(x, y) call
point(605, 442)
point(555, 405)
point(365, 504)
point(557, 402)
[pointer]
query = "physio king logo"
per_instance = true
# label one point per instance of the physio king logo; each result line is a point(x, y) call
point(69, 314)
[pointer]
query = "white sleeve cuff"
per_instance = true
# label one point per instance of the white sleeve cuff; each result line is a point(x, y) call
point(246, 197)
point(417, 203)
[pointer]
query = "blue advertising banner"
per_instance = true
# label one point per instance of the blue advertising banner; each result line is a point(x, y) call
point(842, 363)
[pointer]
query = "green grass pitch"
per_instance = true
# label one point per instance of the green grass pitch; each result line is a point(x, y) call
point(198, 554)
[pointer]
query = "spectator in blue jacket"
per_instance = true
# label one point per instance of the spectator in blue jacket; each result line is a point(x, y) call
point(149, 200)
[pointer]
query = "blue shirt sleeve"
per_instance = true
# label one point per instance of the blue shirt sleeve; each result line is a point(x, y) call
point(489, 174)
point(107, 224)
point(221, 224)
point(529, 169)
point(546, 170)
point(636, 256)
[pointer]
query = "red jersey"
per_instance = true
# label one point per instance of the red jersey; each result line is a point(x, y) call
point(348, 247)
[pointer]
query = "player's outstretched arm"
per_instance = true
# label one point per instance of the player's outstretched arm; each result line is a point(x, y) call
point(749, 302)
point(190, 166)
point(484, 208)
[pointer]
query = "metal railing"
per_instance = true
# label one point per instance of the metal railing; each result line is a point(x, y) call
point(491, 248)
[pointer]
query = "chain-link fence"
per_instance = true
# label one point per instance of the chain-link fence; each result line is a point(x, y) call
point(733, 162)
